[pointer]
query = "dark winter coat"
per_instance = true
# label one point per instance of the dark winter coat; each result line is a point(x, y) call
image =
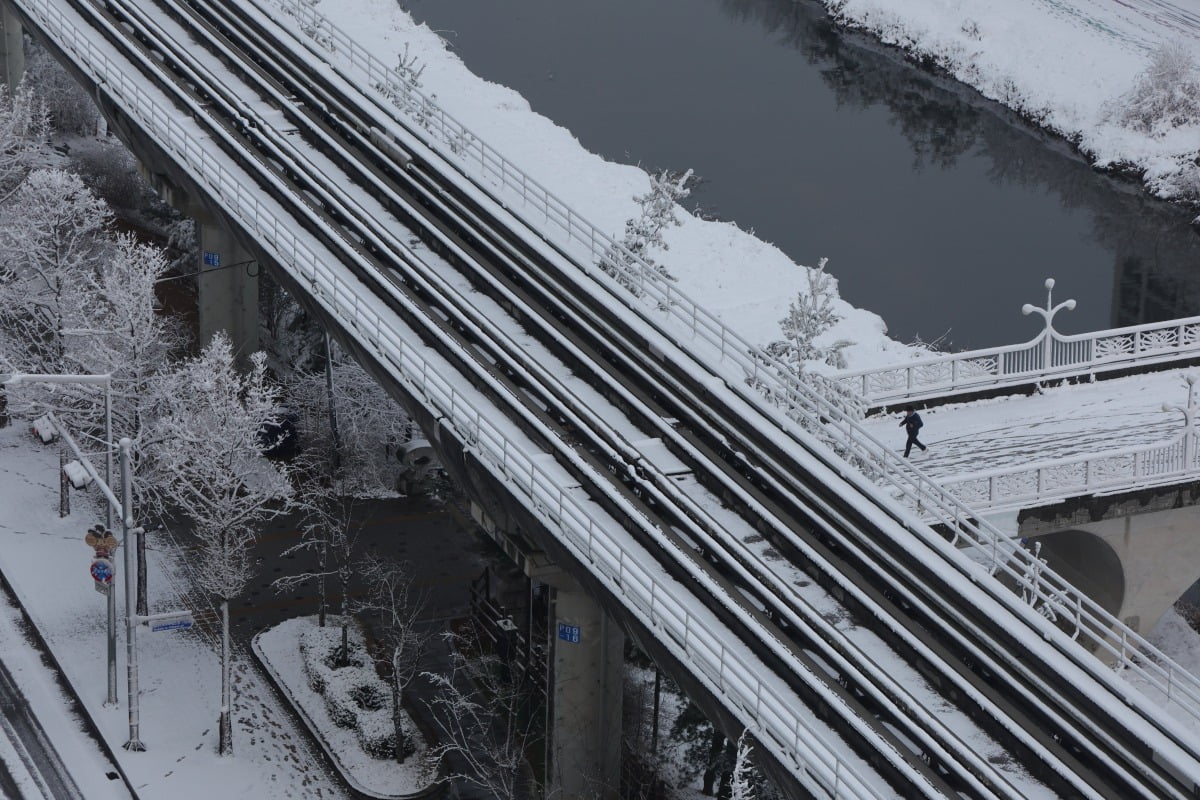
point(912, 423)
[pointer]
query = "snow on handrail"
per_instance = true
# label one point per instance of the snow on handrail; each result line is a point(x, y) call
point(650, 596)
point(823, 407)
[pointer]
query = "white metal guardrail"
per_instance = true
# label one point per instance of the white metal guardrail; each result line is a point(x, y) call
point(649, 595)
point(1048, 356)
point(814, 403)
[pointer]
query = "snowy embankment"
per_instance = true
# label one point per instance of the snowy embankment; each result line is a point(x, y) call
point(1063, 68)
point(1068, 65)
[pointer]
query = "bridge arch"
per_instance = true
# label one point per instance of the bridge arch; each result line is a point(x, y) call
point(1089, 563)
point(1136, 554)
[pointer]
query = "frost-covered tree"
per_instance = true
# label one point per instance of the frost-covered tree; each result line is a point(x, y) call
point(809, 315)
point(644, 233)
point(481, 708)
point(24, 130)
point(370, 425)
point(68, 104)
point(124, 335)
point(214, 473)
point(52, 240)
point(395, 607)
point(1166, 94)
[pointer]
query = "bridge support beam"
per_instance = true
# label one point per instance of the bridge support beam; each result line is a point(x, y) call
point(586, 653)
point(228, 290)
point(13, 44)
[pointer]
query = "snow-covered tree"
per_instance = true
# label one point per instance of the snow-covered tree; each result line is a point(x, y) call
point(395, 608)
point(809, 315)
point(1166, 95)
point(481, 708)
point(68, 104)
point(214, 473)
point(52, 240)
point(370, 425)
point(741, 785)
point(124, 335)
point(644, 233)
point(24, 129)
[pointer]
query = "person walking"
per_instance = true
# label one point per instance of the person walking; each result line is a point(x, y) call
point(912, 424)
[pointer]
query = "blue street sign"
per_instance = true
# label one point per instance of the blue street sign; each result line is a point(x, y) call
point(212, 259)
point(102, 570)
point(179, 624)
point(568, 633)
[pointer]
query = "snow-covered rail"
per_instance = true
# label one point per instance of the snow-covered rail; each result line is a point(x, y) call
point(604, 549)
point(810, 405)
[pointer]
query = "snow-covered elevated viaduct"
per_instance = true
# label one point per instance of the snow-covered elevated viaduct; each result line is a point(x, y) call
point(743, 542)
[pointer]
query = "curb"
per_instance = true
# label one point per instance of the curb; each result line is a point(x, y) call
point(302, 713)
point(68, 688)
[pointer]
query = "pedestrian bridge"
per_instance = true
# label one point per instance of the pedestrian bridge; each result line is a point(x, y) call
point(1084, 447)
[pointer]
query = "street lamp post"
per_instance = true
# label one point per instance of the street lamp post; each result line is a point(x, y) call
point(105, 380)
point(1047, 314)
point(127, 527)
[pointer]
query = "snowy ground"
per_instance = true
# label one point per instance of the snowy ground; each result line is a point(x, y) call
point(46, 560)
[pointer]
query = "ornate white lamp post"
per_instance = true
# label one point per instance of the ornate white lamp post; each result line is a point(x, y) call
point(1047, 314)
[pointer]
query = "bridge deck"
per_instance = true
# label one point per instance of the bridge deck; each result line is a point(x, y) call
point(1064, 422)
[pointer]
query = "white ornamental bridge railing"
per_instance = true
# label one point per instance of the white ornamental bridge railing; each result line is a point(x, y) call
point(1048, 356)
point(1121, 470)
point(754, 375)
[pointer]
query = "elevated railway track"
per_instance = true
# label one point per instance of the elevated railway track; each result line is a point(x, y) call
point(937, 686)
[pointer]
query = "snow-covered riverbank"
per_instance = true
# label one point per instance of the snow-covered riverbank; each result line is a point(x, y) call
point(1068, 65)
point(1059, 68)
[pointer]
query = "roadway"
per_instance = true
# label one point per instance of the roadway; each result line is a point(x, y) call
point(44, 752)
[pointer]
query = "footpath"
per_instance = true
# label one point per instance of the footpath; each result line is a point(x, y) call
point(45, 565)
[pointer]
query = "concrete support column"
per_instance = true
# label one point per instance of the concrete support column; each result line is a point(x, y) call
point(13, 43)
point(228, 290)
point(587, 658)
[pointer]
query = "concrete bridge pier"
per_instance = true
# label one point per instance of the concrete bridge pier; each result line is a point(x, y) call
point(228, 289)
point(1134, 554)
point(227, 273)
point(13, 43)
point(586, 658)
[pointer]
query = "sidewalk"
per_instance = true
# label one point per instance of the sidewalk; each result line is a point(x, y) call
point(45, 560)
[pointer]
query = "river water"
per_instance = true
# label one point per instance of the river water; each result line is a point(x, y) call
point(938, 210)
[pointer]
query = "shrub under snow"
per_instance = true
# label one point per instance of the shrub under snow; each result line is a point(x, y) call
point(355, 696)
point(1166, 95)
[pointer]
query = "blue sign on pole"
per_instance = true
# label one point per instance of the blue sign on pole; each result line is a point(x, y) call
point(212, 259)
point(568, 633)
point(102, 571)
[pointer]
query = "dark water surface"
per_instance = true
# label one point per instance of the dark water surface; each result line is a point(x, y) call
point(937, 209)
